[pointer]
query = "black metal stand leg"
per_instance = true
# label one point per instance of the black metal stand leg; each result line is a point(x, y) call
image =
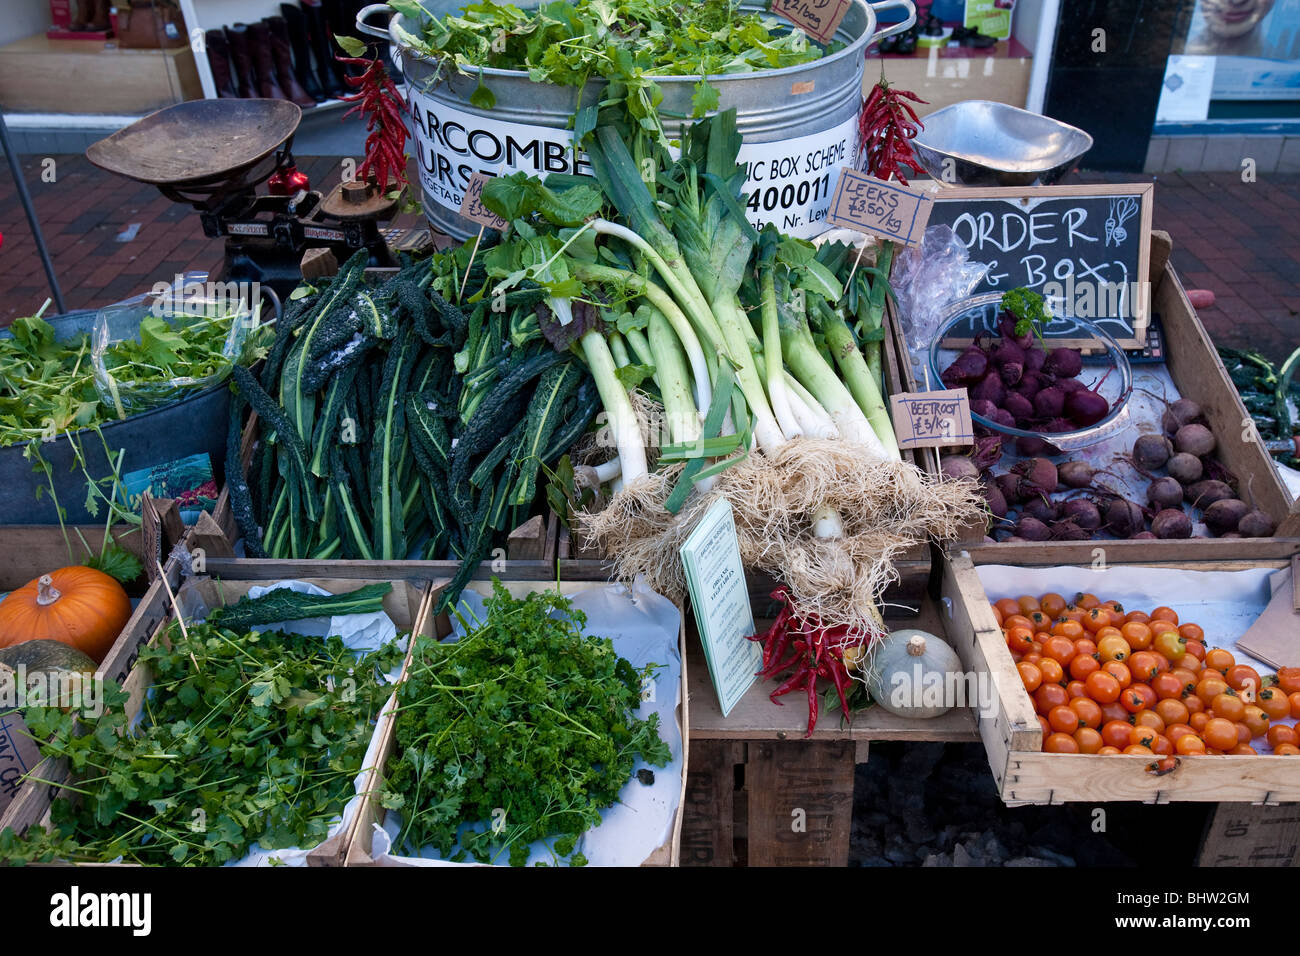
point(20, 184)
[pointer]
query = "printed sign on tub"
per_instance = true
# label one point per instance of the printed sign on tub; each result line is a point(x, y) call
point(789, 183)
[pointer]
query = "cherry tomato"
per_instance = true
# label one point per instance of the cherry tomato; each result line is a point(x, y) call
point(1172, 711)
point(1083, 665)
point(1033, 657)
point(1050, 695)
point(1220, 660)
point(1027, 603)
point(1114, 711)
point(1052, 671)
point(1274, 703)
point(1072, 614)
point(1149, 718)
point(1286, 750)
point(1280, 734)
point(1141, 617)
point(1119, 671)
point(1086, 601)
point(1007, 606)
point(1046, 727)
point(1162, 662)
point(1076, 689)
point(1087, 710)
point(1243, 732)
point(1191, 632)
point(1137, 697)
point(1295, 704)
point(1039, 620)
point(1144, 665)
point(1162, 746)
point(1059, 649)
point(1220, 734)
point(1193, 704)
point(1138, 750)
point(1142, 736)
point(1158, 626)
point(1085, 646)
point(1096, 619)
point(1063, 720)
point(1017, 620)
point(1240, 676)
point(1243, 750)
point(1020, 640)
point(1190, 664)
point(997, 613)
point(1107, 751)
point(1198, 721)
point(1113, 649)
point(1256, 720)
point(1167, 686)
point(1067, 628)
point(1170, 645)
point(1041, 638)
point(1189, 744)
point(1165, 614)
point(1060, 744)
point(1196, 649)
point(1051, 604)
point(1229, 707)
point(1088, 739)
point(1174, 731)
point(1137, 634)
point(1102, 687)
point(1031, 676)
point(1117, 733)
point(1211, 687)
point(1288, 679)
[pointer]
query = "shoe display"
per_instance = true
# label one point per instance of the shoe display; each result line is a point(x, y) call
point(259, 44)
point(322, 44)
point(223, 74)
point(296, 27)
point(282, 57)
point(241, 58)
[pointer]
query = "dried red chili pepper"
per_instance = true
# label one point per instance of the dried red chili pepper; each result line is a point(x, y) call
point(886, 127)
point(379, 100)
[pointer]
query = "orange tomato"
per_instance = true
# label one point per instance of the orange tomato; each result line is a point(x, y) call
point(1174, 731)
point(1220, 734)
point(1107, 751)
point(1191, 632)
point(1039, 620)
point(1117, 733)
point(1033, 657)
point(1088, 739)
point(1167, 687)
point(1087, 710)
point(1114, 711)
point(1060, 744)
point(1287, 750)
point(1050, 695)
point(1143, 736)
point(1196, 649)
point(1172, 710)
point(1141, 617)
point(1102, 687)
point(1017, 620)
point(1086, 601)
point(997, 613)
point(1211, 687)
point(1193, 704)
point(1020, 640)
point(1007, 606)
point(1149, 718)
point(1119, 671)
point(1240, 676)
point(1041, 637)
point(1139, 751)
point(1075, 689)
point(1030, 675)
point(1046, 727)
point(1163, 613)
point(1137, 697)
point(1052, 604)
point(1162, 746)
point(1096, 619)
point(1189, 744)
point(1064, 720)
point(1072, 614)
point(1256, 720)
point(1243, 750)
point(1067, 628)
point(1137, 634)
point(1158, 627)
point(1229, 707)
point(1059, 649)
point(1083, 665)
point(1190, 664)
point(1220, 660)
point(1295, 704)
point(1052, 671)
point(1243, 732)
point(1112, 648)
point(1274, 703)
point(1280, 734)
point(1288, 678)
point(1144, 665)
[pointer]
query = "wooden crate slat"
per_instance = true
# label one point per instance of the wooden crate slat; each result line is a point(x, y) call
point(800, 802)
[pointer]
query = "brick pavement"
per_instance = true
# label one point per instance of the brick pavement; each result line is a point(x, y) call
point(1240, 240)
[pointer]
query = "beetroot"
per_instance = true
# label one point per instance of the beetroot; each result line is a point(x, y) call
point(1195, 440)
point(1028, 447)
point(1205, 493)
point(1059, 425)
point(1031, 529)
point(1031, 383)
point(1075, 474)
point(986, 452)
point(1082, 512)
point(989, 389)
point(983, 408)
point(1069, 531)
point(958, 466)
point(1225, 515)
point(1063, 363)
point(1019, 406)
point(1003, 417)
point(1068, 385)
point(1143, 536)
point(1184, 468)
point(1049, 403)
point(1034, 359)
point(1044, 509)
point(1256, 524)
point(1151, 451)
point(1125, 518)
point(1171, 523)
point(1182, 412)
point(1216, 470)
point(1085, 407)
point(1039, 473)
point(1009, 485)
point(1009, 359)
point(968, 368)
point(1007, 329)
point(1165, 493)
point(995, 500)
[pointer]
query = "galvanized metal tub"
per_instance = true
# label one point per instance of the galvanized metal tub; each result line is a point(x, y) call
point(196, 424)
point(799, 123)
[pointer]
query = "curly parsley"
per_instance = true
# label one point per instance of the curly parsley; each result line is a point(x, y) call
point(522, 729)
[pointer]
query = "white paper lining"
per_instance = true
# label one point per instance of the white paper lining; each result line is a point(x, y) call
point(644, 628)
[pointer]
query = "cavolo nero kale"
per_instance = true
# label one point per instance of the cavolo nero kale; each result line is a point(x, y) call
point(523, 729)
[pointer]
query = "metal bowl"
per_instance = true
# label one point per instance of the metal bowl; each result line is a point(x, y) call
point(981, 143)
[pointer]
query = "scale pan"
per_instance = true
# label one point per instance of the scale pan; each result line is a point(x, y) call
point(197, 141)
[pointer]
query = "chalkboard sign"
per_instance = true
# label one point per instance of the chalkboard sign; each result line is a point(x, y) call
point(1084, 248)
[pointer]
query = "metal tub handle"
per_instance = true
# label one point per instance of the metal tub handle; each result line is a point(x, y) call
point(879, 35)
point(382, 34)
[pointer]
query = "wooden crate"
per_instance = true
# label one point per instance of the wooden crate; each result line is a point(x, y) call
point(913, 565)
point(361, 852)
point(1013, 737)
point(408, 605)
point(760, 794)
point(1198, 373)
point(1242, 835)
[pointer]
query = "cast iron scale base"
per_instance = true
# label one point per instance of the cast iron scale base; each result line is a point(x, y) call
point(214, 154)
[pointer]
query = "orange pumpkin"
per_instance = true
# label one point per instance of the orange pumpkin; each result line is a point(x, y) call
point(78, 606)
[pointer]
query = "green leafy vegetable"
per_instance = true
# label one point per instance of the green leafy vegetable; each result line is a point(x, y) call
point(285, 604)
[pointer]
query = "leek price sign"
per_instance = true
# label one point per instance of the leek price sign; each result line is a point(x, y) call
point(866, 204)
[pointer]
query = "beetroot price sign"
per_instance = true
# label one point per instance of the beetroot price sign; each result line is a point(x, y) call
point(817, 18)
point(866, 204)
point(932, 419)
